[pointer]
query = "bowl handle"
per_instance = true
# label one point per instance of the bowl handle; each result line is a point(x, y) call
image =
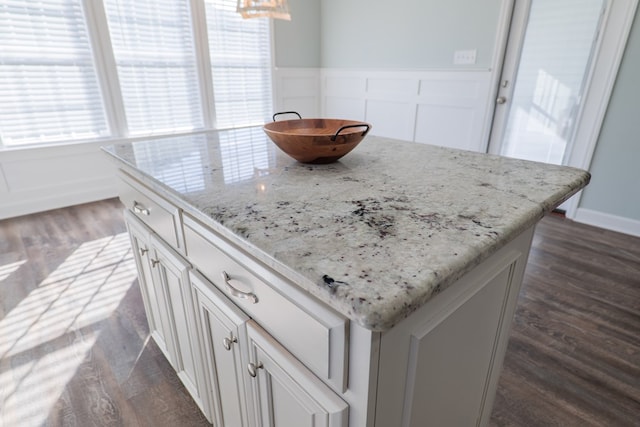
point(333, 138)
point(286, 112)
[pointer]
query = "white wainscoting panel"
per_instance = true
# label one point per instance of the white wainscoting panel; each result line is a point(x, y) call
point(40, 179)
point(391, 119)
point(392, 87)
point(344, 85)
point(430, 129)
point(339, 107)
point(297, 89)
point(440, 107)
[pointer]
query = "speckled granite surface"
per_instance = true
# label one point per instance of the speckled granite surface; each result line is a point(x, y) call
point(374, 235)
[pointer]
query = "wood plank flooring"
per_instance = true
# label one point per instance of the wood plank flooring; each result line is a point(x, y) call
point(573, 357)
point(74, 346)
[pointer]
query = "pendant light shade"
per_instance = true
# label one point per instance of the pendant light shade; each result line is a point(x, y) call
point(278, 9)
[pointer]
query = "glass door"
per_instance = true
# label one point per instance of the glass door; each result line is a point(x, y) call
point(546, 72)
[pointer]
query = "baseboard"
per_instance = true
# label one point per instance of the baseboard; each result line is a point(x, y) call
point(608, 221)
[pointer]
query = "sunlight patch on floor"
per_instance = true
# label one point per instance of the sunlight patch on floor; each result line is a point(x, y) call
point(47, 336)
point(7, 269)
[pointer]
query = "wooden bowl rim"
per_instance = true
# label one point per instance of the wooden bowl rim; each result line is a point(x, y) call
point(337, 122)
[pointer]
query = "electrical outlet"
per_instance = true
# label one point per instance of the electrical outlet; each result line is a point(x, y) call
point(464, 57)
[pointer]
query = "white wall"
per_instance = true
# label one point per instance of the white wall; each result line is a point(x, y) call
point(297, 42)
point(612, 199)
point(392, 65)
point(407, 34)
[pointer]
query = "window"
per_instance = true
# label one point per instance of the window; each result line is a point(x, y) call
point(153, 47)
point(49, 90)
point(240, 65)
point(75, 70)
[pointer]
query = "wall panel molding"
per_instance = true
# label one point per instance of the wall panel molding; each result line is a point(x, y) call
point(297, 89)
point(45, 178)
point(440, 107)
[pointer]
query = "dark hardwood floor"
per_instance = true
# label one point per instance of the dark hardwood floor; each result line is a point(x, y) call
point(74, 346)
point(573, 357)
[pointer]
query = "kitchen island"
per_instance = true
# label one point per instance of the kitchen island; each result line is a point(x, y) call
point(374, 291)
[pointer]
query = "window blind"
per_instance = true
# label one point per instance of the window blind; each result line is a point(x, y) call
point(153, 46)
point(48, 85)
point(240, 52)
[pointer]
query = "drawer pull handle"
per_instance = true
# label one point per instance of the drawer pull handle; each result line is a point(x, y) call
point(143, 251)
point(140, 209)
point(226, 342)
point(154, 262)
point(253, 369)
point(236, 292)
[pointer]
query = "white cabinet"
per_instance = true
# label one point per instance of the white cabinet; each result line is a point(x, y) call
point(171, 271)
point(154, 294)
point(254, 350)
point(223, 336)
point(204, 335)
point(311, 331)
point(164, 284)
point(285, 393)
point(440, 366)
point(252, 379)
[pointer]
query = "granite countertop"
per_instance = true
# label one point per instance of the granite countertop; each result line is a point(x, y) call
point(376, 234)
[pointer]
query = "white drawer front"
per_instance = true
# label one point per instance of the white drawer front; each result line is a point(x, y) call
point(319, 340)
point(157, 213)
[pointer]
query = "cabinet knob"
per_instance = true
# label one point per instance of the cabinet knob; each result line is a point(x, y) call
point(154, 262)
point(237, 292)
point(253, 368)
point(143, 251)
point(140, 209)
point(226, 342)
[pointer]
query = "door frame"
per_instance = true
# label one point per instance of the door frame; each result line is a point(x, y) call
point(617, 22)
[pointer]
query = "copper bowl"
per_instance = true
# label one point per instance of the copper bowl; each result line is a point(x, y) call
point(316, 140)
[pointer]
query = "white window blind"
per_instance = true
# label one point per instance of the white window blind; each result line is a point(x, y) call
point(48, 85)
point(240, 53)
point(153, 46)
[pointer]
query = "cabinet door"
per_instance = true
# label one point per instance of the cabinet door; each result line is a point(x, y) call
point(440, 366)
point(223, 335)
point(285, 392)
point(171, 272)
point(153, 295)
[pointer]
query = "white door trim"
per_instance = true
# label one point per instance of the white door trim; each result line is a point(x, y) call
point(617, 24)
point(501, 49)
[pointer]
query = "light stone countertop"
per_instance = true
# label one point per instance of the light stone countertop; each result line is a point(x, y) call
point(374, 235)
